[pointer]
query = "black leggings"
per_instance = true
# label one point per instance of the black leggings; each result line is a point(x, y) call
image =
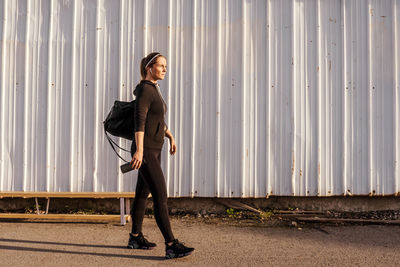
point(151, 180)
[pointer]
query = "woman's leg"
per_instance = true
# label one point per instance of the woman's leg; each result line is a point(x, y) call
point(139, 204)
point(154, 179)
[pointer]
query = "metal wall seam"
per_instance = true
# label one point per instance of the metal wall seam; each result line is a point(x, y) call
point(346, 69)
point(194, 98)
point(27, 99)
point(269, 170)
point(167, 160)
point(74, 109)
point(49, 102)
point(244, 112)
point(97, 92)
point(297, 14)
point(121, 25)
point(19, 93)
point(321, 146)
point(218, 100)
point(372, 122)
point(396, 14)
point(3, 36)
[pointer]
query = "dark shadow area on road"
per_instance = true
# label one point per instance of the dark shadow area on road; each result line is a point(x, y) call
point(59, 243)
point(44, 221)
point(156, 258)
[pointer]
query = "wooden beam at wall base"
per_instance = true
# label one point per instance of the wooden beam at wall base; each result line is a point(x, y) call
point(64, 217)
point(67, 195)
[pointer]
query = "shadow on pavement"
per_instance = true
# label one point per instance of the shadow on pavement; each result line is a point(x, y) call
point(5, 247)
point(42, 221)
point(58, 243)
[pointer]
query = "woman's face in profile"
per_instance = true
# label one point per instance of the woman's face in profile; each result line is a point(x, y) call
point(159, 69)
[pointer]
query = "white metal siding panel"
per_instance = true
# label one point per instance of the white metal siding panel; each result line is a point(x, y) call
point(274, 97)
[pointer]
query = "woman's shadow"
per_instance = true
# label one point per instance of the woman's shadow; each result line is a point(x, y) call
point(19, 248)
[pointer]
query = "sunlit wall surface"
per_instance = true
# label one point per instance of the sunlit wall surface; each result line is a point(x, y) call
point(275, 97)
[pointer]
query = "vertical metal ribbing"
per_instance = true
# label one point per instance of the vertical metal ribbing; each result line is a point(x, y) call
point(34, 163)
point(97, 93)
point(252, 174)
point(168, 171)
point(178, 182)
point(50, 113)
point(395, 140)
point(268, 187)
point(39, 154)
point(346, 98)
point(74, 97)
point(396, 98)
point(340, 121)
point(145, 24)
point(27, 99)
point(176, 95)
point(311, 174)
point(295, 61)
point(371, 163)
point(381, 181)
point(243, 107)
point(56, 80)
point(3, 176)
point(248, 188)
point(194, 99)
point(218, 102)
point(253, 171)
point(319, 85)
point(326, 100)
point(10, 99)
point(121, 93)
point(365, 164)
point(379, 106)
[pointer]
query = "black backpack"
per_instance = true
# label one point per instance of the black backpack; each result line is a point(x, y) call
point(120, 122)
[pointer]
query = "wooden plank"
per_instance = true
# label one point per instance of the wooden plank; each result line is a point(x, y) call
point(63, 217)
point(67, 194)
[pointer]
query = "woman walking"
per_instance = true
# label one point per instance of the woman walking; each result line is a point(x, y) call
point(150, 130)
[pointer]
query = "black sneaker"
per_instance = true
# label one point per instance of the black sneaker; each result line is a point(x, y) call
point(177, 250)
point(139, 242)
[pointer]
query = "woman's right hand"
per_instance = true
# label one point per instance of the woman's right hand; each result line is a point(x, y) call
point(137, 160)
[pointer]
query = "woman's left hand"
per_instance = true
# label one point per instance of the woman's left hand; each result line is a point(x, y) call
point(172, 149)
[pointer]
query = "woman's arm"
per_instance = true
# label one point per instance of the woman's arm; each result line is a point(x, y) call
point(143, 102)
point(137, 158)
point(172, 149)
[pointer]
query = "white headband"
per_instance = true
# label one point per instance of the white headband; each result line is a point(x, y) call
point(151, 60)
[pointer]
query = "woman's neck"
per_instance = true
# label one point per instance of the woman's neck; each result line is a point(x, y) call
point(150, 79)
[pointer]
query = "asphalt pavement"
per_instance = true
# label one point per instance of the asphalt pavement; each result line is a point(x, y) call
point(216, 244)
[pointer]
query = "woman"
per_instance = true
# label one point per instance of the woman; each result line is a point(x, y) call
point(150, 130)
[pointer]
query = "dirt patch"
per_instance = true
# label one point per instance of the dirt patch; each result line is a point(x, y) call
point(289, 218)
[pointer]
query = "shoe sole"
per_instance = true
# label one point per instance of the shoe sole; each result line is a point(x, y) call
point(137, 247)
point(174, 256)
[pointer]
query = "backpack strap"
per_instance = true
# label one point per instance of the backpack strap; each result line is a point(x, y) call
point(112, 143)
point(110, 140)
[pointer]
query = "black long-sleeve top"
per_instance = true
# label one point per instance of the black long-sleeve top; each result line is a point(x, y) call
point(149, 114)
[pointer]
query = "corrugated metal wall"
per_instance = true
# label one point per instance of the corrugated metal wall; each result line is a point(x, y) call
point(277, 97)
